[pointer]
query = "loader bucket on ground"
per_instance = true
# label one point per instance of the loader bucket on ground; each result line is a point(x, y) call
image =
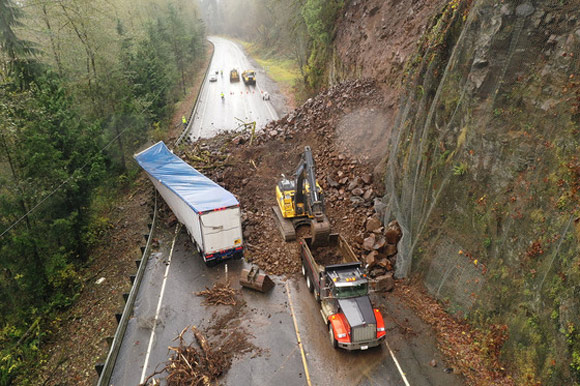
point(254, 279)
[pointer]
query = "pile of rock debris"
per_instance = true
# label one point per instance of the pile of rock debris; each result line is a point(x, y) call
point(250, 167)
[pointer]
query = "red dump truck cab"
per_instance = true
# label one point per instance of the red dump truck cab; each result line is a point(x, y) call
point(340, 284)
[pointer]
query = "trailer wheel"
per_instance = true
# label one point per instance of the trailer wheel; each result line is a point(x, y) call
point(303, 270)
point(331, 334)
point(308, 283)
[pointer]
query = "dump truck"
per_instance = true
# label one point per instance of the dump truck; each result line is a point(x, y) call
point(234, 76)
point(249, 77)
point(340, 284)
point(210, 213)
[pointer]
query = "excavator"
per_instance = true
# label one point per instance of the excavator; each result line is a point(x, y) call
point(301, 202)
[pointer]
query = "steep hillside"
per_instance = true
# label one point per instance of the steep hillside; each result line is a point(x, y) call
point(481, 164)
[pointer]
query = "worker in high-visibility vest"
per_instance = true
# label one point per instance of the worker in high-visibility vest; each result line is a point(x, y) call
point(184, 121)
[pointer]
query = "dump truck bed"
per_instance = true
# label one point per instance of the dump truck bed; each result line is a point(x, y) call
point(316, 259)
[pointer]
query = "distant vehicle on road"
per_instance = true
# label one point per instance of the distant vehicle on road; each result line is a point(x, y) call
point(213, 78)
point(210, 213)
point(266, 96)
point(234, 76)
point(249, 77)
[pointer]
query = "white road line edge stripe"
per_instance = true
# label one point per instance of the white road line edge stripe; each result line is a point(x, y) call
point(143, 374)
point(397, 363)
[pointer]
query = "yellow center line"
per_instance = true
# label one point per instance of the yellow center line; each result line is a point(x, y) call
point(298, 336)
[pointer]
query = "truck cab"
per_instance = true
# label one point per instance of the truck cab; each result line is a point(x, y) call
point(353, 323)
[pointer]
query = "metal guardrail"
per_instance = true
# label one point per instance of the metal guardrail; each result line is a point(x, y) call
point(105, 377)
point(107, 371)
point(203, 84)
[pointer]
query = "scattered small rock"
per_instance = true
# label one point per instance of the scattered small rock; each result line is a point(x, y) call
point(372, 224)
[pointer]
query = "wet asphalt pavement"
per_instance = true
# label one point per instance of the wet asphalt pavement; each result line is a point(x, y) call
point(268, 319)
point(240, 102)
point(166, 302)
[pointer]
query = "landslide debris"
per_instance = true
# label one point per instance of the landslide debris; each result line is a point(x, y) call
point(220, 293)
point(201, 357)
point(472, 352)
point(198, 363)
point(251, 172)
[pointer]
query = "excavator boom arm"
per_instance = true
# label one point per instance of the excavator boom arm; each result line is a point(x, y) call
point(307, 168)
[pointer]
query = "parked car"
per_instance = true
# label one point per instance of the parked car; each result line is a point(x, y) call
point(266, 96)
point(213, 78)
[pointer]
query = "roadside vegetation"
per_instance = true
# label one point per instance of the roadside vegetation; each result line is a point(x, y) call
point(82, 86)
point(281, 69)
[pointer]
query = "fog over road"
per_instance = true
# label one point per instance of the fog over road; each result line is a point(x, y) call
point(213, 114)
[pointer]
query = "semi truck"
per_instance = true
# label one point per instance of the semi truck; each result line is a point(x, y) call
point(340, 284)
point(209, 212)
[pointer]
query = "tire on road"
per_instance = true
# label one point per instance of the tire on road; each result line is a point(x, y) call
point(333, 341)
point(303, 270)
point(309, 283)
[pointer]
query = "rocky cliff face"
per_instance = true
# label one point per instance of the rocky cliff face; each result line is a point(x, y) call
point(482, 169)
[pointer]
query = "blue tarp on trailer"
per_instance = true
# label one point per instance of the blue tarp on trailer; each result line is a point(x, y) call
point(198, 191)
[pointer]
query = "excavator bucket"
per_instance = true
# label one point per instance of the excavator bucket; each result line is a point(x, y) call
point(254, 279)
point(320, 231)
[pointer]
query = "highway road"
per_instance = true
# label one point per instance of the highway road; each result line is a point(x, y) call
point(277, 321)
point(167, 303)
point(214, 114)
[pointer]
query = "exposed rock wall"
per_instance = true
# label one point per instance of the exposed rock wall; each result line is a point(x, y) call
point(483, 169)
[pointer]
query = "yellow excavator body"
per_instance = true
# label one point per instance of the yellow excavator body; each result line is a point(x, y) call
point(298, 204)
point(285, 198)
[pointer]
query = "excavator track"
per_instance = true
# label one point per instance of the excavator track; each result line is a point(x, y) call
point(285, 225)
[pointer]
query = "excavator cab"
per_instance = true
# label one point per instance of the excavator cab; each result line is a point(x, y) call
point(299, 204)
point(285, 190)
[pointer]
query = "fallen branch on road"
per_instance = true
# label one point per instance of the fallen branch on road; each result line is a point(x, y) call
point(189, 365)
point(220, 293)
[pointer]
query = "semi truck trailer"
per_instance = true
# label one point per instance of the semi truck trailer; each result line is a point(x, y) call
point(209, 212)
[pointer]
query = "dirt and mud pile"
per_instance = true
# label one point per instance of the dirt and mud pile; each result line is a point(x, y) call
point(251, 167)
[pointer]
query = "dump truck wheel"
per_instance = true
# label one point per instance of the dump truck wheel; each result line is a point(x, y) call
point(308, 283)
point(331, 334)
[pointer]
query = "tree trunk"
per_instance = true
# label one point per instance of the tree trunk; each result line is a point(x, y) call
point(37, 259)
point(52, 42)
